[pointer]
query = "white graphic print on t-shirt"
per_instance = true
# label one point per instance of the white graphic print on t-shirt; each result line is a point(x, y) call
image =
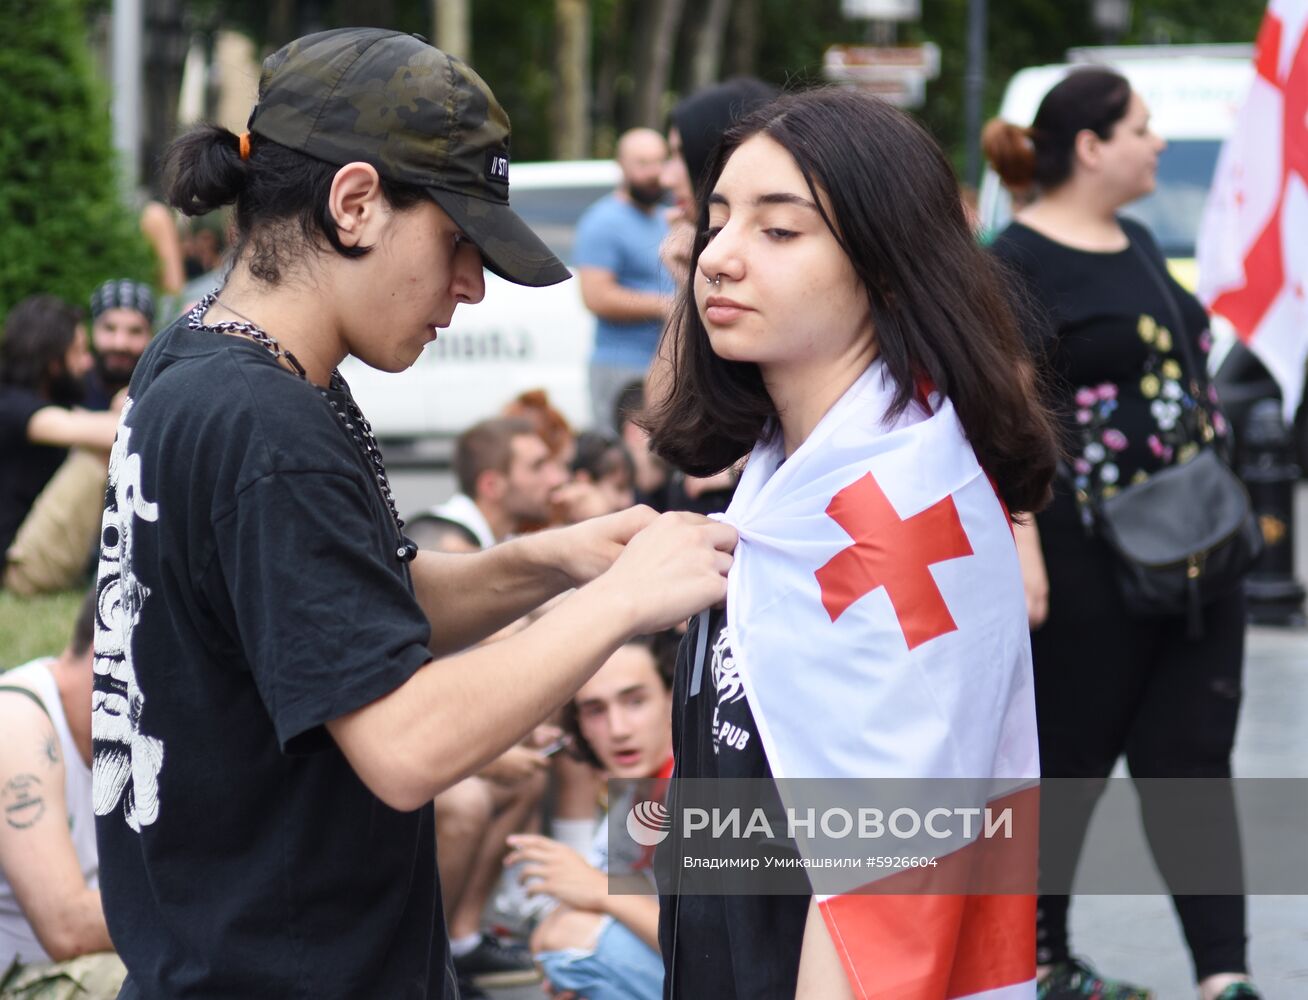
point(727, 683)
point(127, 761)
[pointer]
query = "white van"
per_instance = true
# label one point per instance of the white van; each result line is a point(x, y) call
point(1193, 92)
point(517, 339)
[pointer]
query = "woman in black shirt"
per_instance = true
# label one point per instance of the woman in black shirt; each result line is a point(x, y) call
point(833, 262)
point(1102, 321)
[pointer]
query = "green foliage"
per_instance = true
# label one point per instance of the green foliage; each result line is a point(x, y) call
point(35, 626)
point(65, 226)
point(513, 45)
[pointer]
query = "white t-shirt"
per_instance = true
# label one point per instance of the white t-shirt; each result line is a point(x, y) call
point(16, 935)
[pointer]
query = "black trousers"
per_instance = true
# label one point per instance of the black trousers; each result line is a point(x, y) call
point(1107, 685)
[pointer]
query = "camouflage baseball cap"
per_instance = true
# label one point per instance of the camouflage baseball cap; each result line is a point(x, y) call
point(419, 116)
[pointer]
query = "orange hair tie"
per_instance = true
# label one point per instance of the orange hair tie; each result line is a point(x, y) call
point(245, 145)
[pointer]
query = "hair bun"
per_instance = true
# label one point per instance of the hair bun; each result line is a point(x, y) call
point(204, 170)
point(1011, 152)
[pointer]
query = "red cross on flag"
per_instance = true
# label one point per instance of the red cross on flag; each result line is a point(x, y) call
point(877, 617)
point(1253, 242)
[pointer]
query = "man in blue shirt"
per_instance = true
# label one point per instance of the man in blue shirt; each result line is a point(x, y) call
point(622, 281)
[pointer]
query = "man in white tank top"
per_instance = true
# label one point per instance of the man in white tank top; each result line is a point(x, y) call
point(52, 926)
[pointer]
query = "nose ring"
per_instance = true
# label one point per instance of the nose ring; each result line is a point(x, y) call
point(715, 281)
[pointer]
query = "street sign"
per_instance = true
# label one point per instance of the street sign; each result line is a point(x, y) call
point(882, 10)
point(897, 74)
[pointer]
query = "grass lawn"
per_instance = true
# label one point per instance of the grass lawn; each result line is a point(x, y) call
point(37, 626)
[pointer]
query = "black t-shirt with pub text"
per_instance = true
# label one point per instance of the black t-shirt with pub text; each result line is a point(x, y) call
point(249, 592)
point(730, 947)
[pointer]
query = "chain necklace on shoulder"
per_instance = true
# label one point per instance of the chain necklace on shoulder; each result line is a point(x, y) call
point(353, 421)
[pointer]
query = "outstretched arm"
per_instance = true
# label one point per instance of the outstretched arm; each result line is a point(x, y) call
point(469, 597)
point(64, 428)
point(453, 716)
point(36, 850)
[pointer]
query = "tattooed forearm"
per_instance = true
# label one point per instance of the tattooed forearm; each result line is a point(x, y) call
point(22, 801)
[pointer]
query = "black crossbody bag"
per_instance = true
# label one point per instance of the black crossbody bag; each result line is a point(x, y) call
point(1187, 535)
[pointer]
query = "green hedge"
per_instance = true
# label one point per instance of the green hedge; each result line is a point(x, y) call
point(63, 225)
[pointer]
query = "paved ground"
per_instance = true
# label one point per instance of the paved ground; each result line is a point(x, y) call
point(1137, 937)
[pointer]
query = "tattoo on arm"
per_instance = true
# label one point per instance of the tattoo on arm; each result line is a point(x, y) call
point(22, 801)
point(50, 749)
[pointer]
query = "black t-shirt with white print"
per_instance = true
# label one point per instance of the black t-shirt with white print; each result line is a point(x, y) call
point(249, 592)
point(730, 947)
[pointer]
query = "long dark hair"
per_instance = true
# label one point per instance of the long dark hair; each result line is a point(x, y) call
point(1093, 98)
point(281, 196)
point(938, 302)
point(38, 332)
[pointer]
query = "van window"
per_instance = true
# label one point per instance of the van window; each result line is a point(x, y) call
point(1176, 207)
point(1173, 212)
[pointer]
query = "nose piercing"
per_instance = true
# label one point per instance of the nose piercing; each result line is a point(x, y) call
point(715, 281)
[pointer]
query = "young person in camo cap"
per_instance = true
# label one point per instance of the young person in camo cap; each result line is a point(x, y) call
point(270, 724)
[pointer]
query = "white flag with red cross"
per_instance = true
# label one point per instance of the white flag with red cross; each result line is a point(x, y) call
point(1253, 242)
point(877, 616)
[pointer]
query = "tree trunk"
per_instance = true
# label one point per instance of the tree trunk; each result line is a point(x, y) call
point(744, 24)
point(279, 27)
point(165, 45)
point(606, 80)
point(451, 28)
point(706, 62)
point(655, 66)
point(571, 105)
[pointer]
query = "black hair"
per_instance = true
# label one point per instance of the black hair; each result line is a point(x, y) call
point(281, 195)
point(939, 306)
point(38, 332)
point(1093, 98)
point(662, 646)
point(83, 635)
point(629, 404)
point(701, 118)
point(599, 455)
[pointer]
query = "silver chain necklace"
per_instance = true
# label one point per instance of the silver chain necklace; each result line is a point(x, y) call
point(353, 421)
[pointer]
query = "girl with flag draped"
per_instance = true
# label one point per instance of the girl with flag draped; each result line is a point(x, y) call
point(843, 329)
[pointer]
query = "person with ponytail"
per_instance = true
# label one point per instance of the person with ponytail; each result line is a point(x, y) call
point(283, 682)
point(1103, 323)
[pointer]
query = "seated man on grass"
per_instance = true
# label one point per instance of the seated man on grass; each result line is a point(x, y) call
point(593, 944)
point(52, 927)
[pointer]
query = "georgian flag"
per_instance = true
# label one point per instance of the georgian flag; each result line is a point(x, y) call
point(1253, 241)
point(877, 614)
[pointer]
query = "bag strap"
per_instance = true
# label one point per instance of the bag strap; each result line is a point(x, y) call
point(1198, 374)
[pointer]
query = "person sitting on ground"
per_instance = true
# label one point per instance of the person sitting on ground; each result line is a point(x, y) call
point(43, 362)
point(506, 476)
point(656, 482)
point(474, 816)
point(54, 549)
point(602, 479)
point(52, 927)
point(122, 319)
point(535, 407)
point(473, 820)
point(598, 945)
